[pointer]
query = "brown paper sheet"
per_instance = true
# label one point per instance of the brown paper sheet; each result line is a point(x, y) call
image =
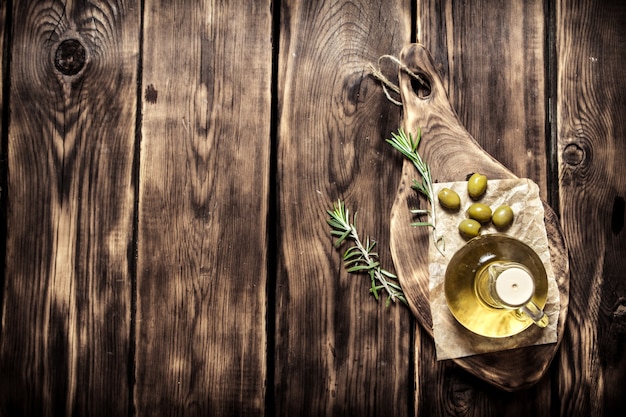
point(452, 340)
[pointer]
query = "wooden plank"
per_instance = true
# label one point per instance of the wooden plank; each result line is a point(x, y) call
point(4, 88)
point(66, 320)
point(492, 61)
point(491, 56)
point(592, 148)
point(338, 352)
point(204, 184)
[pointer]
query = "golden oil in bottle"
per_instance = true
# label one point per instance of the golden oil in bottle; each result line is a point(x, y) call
point(466, 293)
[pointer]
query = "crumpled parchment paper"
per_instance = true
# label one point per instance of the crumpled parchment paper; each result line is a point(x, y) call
point(452, 340)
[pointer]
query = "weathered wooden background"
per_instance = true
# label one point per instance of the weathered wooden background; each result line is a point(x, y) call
point(165, 170)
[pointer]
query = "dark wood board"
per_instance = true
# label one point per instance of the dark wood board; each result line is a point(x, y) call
point(203, 205)
point(453, 154)
point(65, 340)
point(476, 45)
point(338, 351)
point(591, 125)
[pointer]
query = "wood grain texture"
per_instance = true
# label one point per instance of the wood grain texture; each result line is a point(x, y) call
point(176, 260)
point(4, 78)
point(66, 320)
point(203, 205)
point(493, 63)
point(592, 179)
point(444, 391)
point(452, 154)
point(492, 58)
point(338, 352)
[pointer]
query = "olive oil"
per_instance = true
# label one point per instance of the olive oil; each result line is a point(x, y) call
point(467, 293)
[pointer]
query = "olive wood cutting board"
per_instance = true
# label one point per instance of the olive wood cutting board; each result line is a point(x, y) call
point(452, 154)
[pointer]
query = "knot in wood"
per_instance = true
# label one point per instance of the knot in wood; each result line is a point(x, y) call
point(69, 58)
point(573, 154)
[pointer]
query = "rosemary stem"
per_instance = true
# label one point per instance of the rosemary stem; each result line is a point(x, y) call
point(407, 146)
point(368, 260)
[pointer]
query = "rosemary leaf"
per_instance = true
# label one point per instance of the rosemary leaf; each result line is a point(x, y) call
point(359, 268)
point(351, 252)
point(389, 275)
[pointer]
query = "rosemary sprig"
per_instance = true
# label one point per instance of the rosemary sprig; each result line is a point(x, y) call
point(407, 146)
point(361, 258)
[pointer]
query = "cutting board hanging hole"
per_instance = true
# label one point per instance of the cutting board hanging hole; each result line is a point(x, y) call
point(421, 85)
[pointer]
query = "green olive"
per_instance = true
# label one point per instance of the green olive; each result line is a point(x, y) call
point(480, 212)
point(476, 185)
point(502, 216)
point(449, 199)
point(469, 228)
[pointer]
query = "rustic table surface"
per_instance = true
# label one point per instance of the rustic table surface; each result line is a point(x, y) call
point(165, 171)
